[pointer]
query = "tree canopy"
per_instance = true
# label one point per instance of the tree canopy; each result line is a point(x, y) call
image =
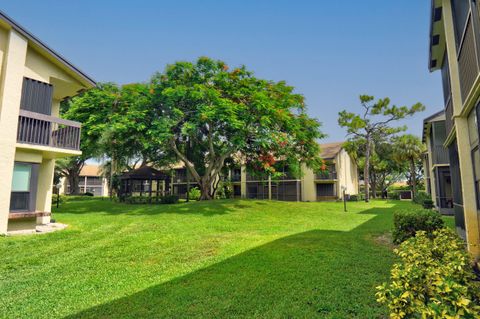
point(374, 123)
point(205, 113)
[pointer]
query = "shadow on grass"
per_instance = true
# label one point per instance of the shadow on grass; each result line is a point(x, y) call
point(318, 273)
point(107, 207)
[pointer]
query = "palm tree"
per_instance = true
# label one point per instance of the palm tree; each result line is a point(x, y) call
point(409, 148)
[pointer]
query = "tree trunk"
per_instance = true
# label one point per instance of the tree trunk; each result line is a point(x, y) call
point(366, 170)
point(413, 177)
point(205, 189)
point(73, 180)
point(374, 185)
point(110, 184)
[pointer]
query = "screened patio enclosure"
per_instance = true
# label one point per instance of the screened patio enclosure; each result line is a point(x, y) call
point(144, 181)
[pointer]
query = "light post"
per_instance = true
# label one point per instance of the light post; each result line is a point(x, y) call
point(344, 199)
point(58, 192)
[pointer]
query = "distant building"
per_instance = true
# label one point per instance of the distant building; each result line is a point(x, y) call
point(436, 164)
point(341, 171)
point(91, 181)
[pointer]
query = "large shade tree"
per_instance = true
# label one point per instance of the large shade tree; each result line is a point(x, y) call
point(374, 122)
point(204, 113)
point(114, 127)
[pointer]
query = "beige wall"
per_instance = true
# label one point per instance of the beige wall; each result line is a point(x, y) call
point(347, 174)
point(10, 94)
point(18, 59)
point(309, 191)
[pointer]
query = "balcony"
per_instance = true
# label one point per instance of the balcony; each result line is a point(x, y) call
point(326, 175)
point(440, 155)
point(45, 130)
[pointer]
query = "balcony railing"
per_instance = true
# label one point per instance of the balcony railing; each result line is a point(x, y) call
point(440, 155)
point(326, 175)
point(46, 130)
point(467, 59)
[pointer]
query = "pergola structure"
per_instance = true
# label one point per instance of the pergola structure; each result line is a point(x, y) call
point(144, 181)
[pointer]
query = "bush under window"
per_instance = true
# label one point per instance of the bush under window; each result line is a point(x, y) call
point(433, 279)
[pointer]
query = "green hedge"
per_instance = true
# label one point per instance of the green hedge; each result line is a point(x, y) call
point(393, 195)
point(433, 279)
point(407, 223)
point(167, 199)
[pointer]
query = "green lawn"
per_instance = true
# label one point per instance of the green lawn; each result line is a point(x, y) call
point(207, 260)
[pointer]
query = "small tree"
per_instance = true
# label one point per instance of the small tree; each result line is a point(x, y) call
point(409, 148)
point(205, 114)
point(373, 122)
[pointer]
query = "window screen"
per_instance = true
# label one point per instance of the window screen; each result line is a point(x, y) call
point(460, 10)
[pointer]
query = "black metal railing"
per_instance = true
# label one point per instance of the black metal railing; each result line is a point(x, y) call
point(326, 175)
point(41, 129)
point(444, 202)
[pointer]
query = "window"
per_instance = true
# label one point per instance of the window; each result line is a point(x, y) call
point(21, 177)
point(23, 193)
point(460, 12)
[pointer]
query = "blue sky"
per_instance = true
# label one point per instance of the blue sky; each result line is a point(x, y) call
point(330, 51)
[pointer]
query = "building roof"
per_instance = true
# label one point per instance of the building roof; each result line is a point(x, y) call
point(436, 117)
point(84, 78)
point(145, 172)
point(437, 36)
point(330, 150)
point(90, 170)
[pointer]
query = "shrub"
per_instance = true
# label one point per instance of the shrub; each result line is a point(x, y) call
point(224, 190)
point(353, 198)
point(407, 223)
point(61, 199)
point(421, 197)
point(169, 199)
point(194, 193)
point(428, 204)
point(393, 195)
point(87, 194)
point(433, 279)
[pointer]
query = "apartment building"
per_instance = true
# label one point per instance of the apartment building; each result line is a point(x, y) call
point(90, 180)
point(340, 174)
point(436, 163)
point(455, 52)
point(34, 79)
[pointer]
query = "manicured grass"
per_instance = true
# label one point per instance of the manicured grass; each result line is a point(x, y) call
point(201, 259)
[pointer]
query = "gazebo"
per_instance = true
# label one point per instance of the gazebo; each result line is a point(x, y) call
point(144, 181)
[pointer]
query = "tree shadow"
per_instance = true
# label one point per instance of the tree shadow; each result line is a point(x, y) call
point(317, 273)
point(106, 207)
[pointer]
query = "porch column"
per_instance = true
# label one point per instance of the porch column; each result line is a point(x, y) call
point(12, 63)
point(44, 189)
point(243, 181)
